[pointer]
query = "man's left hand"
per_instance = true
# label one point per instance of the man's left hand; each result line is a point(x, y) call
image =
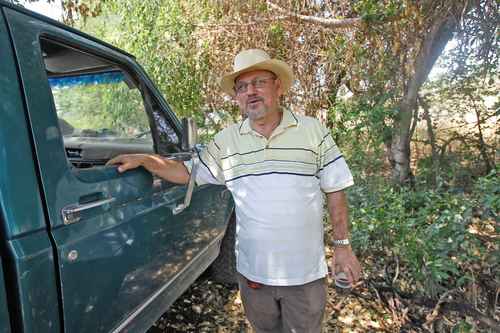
point(345, 261)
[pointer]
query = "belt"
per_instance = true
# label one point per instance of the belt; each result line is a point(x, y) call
point(254, 285)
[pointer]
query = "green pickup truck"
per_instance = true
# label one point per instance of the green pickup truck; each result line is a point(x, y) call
point(82, 247)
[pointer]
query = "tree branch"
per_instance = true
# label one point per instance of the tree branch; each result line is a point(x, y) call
point(255, 21)
point(331, 23)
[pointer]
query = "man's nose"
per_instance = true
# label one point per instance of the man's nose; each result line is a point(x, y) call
point(251, 89)
point(251, 95)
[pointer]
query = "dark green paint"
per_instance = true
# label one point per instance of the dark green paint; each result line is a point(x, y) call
point(29, 256)
point(22, 213)
point(123, 254)
point(169, 295)
point(35, 282)
point(141, 248)
point(4, 310)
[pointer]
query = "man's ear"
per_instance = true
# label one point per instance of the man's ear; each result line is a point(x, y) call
point(279, 87)
point(234, 99)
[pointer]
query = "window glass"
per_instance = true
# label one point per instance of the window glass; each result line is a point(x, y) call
point(100, 109)
point(99, 105)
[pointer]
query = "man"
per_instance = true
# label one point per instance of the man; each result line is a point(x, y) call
point(276, 164)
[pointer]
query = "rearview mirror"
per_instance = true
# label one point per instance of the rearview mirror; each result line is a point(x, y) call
point(189, 134)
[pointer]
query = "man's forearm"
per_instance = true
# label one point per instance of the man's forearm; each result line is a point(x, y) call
point(171, 170)
point(339, 214)
point(343, 259)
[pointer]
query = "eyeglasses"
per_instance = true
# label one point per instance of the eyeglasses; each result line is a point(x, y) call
point(257, 83)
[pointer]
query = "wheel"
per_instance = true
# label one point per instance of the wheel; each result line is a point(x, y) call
point(223, 269)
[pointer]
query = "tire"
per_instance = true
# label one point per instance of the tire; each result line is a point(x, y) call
point(223, 269)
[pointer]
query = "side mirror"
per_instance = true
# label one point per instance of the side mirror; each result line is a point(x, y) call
point(189, 134)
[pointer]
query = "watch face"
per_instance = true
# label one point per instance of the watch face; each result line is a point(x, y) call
point(341, 242)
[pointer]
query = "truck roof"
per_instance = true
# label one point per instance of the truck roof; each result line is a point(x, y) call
point(4, 3)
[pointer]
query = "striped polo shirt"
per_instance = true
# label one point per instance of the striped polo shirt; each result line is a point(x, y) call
point(277, 185)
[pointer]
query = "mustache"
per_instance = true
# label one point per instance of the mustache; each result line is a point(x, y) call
point(255, 99)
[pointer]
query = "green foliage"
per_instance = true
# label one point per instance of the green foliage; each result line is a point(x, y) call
point(160, 35)
point(102, 106)
point(186, 45)
point(361, 120)
point(429, 231)
point(375, 10)
point(487, 191)
point(463, 327)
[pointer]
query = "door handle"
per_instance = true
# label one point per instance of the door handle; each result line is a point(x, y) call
point(71, 213)
point(189, 193)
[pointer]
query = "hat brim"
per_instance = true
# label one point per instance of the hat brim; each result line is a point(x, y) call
point(278, 67)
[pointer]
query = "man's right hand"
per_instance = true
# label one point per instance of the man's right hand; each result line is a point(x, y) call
point(132, 161)
point(170, 170)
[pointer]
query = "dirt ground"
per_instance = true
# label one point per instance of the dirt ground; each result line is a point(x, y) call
point(372, 306)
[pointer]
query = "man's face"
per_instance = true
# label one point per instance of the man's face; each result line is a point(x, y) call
point(257, 93)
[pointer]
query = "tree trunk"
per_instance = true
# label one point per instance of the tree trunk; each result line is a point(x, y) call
point(432, 47)
point(482, 143)
point(432, 140)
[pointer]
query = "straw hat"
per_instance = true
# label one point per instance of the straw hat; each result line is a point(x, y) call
point(255, 59)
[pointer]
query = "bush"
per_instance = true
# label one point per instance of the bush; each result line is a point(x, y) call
point(487, 194)
point(427, 230)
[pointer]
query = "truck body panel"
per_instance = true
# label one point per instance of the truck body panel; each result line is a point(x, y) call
point(33, 284)
point(27, 256)
point(17, 168)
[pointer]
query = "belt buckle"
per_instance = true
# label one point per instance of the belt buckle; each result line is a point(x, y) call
point(254, 285)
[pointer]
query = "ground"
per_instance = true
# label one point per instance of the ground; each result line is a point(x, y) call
point(371, 306)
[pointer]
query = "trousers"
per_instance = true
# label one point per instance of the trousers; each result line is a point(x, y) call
point(284, 309)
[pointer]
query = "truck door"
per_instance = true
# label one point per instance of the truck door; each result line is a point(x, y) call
point(123, 255)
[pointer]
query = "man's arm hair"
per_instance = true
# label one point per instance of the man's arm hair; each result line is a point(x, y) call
point(339, 214)
point(170, 170)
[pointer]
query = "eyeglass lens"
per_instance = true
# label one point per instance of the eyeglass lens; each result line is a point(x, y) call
point(260, 82)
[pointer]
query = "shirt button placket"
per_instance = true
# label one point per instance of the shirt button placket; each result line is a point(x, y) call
point(266, 147)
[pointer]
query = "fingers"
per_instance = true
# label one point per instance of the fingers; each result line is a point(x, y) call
point(111, 162)
point(127, 166)
point(352, 269)
point(347, 263)
point(356, 270)
point(338, 268)
point(346, 269)
point(116, 160)
point(351, 275)
point(347, 272)
point(125, 162)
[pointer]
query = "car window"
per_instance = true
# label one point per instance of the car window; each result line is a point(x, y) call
point(100, 109)
point(99, 105)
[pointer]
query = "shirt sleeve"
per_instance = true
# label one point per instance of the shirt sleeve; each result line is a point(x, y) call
point(209, 169)
point(333, 172)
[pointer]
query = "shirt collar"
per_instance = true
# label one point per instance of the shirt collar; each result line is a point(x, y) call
point(288, 120)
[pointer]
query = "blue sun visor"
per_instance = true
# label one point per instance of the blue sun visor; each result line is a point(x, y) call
point(86, 79)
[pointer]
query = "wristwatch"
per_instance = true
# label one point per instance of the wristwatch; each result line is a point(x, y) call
point(341, 242)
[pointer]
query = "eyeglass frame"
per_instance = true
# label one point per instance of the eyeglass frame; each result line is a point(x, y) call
point(257, 83)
